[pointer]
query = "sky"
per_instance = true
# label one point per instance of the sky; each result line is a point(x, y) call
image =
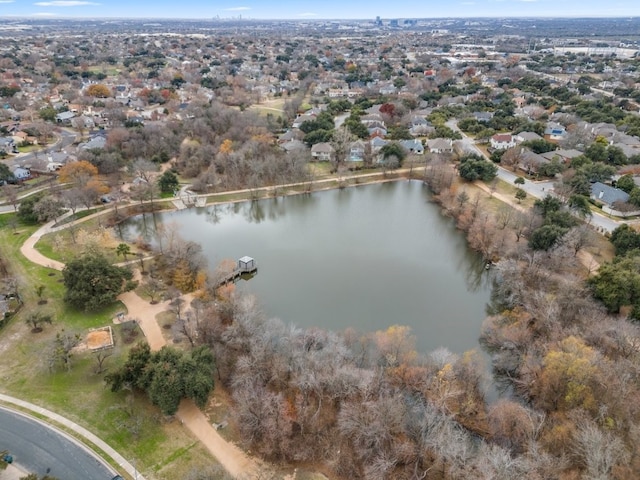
point(317, 9)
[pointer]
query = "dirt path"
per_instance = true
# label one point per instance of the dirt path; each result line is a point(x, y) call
point(145, 315)
point(232, 458)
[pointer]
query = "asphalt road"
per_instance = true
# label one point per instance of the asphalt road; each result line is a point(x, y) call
point(40, 449)
point(64, 139)
point(538, 189)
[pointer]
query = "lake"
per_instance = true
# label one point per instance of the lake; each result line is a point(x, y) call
point(366, 257)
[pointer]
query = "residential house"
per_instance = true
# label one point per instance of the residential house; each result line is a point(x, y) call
point(376, 144)
point(628, 150)
point(563, 155)
point(7, 144)
point(502, 141)
point(21, 174)
point(372, 119)
point(65, 117)
point(483, 117)
point(387, 90)
point(377, 131)
point(356, 151)
point(293, 146)
point(301, 119)
point(420, 126)
point(530, 162)
point(526, 137)
point(322, 151)
point(440, 145)
point(554, 132)
point(19, 138)
point(414, 146)
point(98, 141)
point(607, 194)
point(291, 135)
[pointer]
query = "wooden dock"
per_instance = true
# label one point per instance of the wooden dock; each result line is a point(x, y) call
point(245, 265)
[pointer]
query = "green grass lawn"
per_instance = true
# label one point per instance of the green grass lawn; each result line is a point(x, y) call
point(160, 448)
point(29, 148)
point(78, 216)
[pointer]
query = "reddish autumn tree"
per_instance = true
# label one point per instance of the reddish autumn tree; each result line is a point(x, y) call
point(388, 109)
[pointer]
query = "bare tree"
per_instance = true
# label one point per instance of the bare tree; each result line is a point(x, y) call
point(341, 142)
point(504, 216)
point(11, 195)
point(100, 357)
point(153, 289)
point(62, 348)
point(598, 451)
point(578, 238)
point(144, 169)
point(73, 198)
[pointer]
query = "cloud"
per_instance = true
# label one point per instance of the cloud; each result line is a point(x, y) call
point(64, 3)
point(7, 1)
point(308, 14)
point(237, 9)
point(44, 14)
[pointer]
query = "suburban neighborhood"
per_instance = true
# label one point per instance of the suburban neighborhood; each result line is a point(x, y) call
point(524, 132)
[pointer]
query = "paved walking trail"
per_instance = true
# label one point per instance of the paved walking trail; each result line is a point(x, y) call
point(232, 458)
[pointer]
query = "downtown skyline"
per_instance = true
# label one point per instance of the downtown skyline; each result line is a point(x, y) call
point(314, 10)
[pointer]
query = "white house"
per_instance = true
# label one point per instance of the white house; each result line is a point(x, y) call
point(21, 174)
point(322, 151)
point(440, 145)
point(502, 141)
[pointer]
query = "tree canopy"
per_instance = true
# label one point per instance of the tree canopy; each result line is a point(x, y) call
point(167, 376)
point(92, 282)
point(473, 167)
point(168, 182)
point(618, 284)
point(5, 174)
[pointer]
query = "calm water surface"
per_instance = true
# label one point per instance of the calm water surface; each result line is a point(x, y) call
point(366, 257)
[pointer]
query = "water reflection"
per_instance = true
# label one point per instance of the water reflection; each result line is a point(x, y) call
point(367, 257)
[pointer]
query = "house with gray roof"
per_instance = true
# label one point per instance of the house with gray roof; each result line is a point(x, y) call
point(554, 131)
point(526, 137)
point(65, 117)
point(99, 141)
point(377, 143)
point(530, 162)
point(414, 146)
point(440, 145)
point(321, 151)
point(607, 194)
point(564, 155)
point(483, 117)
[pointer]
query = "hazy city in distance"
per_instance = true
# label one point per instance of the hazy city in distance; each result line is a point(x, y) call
point(309, 10)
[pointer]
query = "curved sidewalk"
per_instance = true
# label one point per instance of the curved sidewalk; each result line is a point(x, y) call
point(81, 431)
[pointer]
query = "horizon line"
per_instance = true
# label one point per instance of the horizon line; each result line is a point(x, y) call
point(318, 19)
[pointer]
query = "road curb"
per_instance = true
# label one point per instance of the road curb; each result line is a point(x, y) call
point(81, 431)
